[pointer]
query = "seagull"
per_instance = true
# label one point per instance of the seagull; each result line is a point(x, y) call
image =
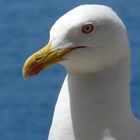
point(91, 42)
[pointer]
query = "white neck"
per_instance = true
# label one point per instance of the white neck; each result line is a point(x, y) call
point(100, 101)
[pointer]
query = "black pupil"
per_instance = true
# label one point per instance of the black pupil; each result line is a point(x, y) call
point(88, 28)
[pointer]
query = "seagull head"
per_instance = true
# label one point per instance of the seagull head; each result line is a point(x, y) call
point(86, 39)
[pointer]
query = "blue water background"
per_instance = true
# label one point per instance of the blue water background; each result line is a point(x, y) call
point(26, 106)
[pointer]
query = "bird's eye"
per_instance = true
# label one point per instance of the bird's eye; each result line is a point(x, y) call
point(87, 28)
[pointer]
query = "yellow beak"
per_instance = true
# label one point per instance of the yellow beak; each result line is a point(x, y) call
point(44, 58)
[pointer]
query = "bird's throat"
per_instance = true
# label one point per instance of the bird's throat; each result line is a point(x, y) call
point(100, 101)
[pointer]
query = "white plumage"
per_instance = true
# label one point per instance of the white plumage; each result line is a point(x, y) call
point(94, 102)
point(91, 42)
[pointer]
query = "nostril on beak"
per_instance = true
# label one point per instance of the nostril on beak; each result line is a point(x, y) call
point(39, 59)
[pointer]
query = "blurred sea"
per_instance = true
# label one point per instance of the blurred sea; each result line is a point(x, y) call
point(26, 106)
